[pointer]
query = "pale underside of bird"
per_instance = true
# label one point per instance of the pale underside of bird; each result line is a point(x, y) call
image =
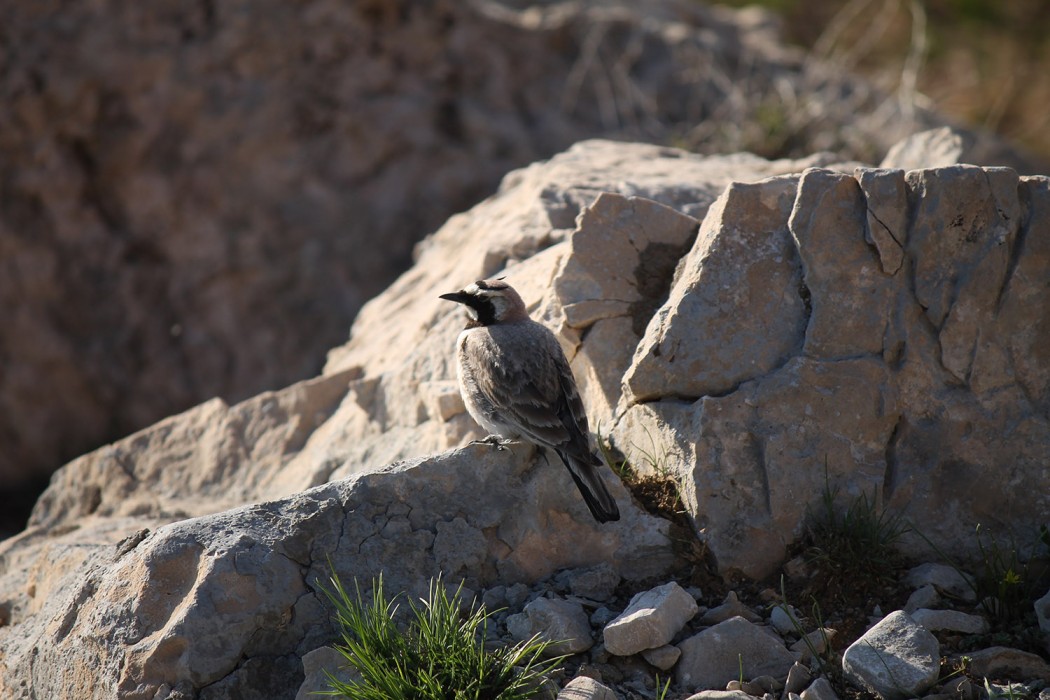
point(517, 384)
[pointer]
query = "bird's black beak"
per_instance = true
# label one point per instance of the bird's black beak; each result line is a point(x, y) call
point(458, 297)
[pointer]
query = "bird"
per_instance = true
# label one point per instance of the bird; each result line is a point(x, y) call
point(516, 383)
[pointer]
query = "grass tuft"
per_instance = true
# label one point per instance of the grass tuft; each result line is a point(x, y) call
point(858, 543)
point(440, 656)
point(824, 660)
point(656, 485)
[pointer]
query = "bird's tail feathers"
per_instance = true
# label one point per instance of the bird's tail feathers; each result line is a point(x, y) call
point(588, 480)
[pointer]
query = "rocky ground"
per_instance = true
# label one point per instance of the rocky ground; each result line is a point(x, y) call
point(858, 619)
point(931, 636)
point(914, 632)
point(825, 626)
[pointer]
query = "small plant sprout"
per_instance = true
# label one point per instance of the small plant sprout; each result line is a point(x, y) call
point(858, 543)
point(1007, 581)
point(661, 691)
point(1010, 691)
point(823, 660)
point(617, 462)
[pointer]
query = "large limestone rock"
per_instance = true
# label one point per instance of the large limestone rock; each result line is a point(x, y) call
point(890, 334)
point(389, 393)
point(883, 355)
point(200, 603)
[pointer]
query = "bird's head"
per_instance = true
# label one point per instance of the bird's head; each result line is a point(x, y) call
point(489, 302)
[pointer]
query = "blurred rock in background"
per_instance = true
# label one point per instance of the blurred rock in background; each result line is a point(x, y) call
point(981, 62)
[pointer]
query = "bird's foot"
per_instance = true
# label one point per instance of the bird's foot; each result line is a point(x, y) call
point(500, 443)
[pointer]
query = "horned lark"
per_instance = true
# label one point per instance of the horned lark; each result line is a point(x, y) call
point(516, 383)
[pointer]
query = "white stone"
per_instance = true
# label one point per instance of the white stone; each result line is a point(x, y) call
point(1042, 612)
point(896, 658)
point(586, 688)
point(651, 620)
point(815, 641)
point(784, 619)
point(721, 695)
point(315, 664)
point(664, 658)
point(951, 620)
point(731, 607)
point(922, 597)
point(945, 579)
point(713, 657)
point(928, 149)
point(1006, 662)
point(561, 621)
point(798, 678)
point(820, 689)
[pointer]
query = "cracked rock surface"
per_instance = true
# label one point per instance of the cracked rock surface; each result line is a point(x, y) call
point(886, 329)
point(201, 600)
point(185, 560)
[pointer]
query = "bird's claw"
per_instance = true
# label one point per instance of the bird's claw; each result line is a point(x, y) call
point(496, 441)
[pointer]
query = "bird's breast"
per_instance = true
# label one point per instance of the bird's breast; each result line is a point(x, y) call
point(476, 369)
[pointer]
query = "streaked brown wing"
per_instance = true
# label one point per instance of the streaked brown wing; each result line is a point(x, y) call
point(533, 388)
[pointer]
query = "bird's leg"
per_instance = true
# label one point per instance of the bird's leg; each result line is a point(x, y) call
point(497, 441)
